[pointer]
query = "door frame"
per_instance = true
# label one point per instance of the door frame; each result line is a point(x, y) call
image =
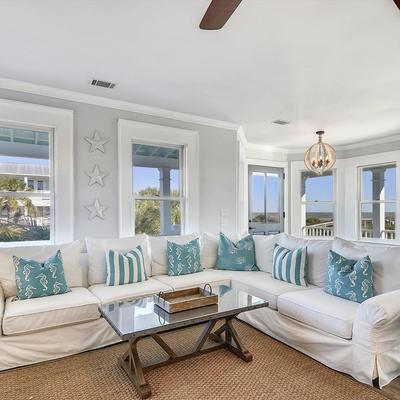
point(286, 185)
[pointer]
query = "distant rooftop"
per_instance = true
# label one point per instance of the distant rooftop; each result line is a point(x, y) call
point(24, 169)
point(27, 136)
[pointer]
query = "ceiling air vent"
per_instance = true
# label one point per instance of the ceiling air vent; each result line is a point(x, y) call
point(104, 84)
point(280, 122)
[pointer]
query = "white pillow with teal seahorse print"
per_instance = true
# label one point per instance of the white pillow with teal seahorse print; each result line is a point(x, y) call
point(349, 279)
point(183, 259)
point(36, 279)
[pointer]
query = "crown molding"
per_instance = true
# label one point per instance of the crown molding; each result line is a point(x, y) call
point(63, 94)
point(338, 148)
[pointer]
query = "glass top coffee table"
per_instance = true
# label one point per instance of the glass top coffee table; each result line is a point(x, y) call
point(136, 319)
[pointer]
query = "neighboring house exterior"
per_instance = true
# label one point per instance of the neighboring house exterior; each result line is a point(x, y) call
point(36, 179)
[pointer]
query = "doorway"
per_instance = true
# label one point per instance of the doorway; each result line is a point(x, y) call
point(266, 206)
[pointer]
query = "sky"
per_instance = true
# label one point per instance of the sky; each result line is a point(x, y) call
point(23, 160)
point(144, 177)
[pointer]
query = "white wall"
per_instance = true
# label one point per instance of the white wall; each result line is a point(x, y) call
point(217, 166)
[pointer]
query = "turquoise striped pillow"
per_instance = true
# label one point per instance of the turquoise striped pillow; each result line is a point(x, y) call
point(125, 268)
point(290, 265)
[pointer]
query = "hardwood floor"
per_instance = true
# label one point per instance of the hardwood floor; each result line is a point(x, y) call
point(392, 391)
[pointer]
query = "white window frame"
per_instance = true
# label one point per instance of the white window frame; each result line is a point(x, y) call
point(182, 179)
point(304, 203)
point(60, 122)
point(130, 132)
point(36, 192)
point(360, 202)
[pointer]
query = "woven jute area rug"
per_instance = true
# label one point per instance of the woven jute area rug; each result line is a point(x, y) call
point(276, 373)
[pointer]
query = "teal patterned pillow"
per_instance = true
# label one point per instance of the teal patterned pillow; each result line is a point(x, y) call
point(36, 279)
point(349, 279)
point(236, 257)
point(183, 259)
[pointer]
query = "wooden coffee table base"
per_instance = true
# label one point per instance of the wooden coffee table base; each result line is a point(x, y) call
point(226, 336)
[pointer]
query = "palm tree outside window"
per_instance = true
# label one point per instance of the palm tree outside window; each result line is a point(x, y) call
point(26, 195)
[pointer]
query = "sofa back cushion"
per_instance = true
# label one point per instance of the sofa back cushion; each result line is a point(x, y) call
point(264, 247)
point(385, 261)
point(317, 255)
point(70, 253)
point(158, 246)
point(97, 249)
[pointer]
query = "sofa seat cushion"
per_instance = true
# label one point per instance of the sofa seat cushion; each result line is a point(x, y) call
point(320, 310)
point(210, 276)
point(262, 285)
point(110, 294)
point(23, 316)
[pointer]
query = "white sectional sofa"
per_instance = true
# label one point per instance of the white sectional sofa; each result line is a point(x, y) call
point(362, 340)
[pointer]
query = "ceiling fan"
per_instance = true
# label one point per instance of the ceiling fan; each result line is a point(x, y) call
point(219, 11)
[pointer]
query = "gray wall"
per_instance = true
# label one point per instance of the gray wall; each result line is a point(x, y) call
point(217, 158)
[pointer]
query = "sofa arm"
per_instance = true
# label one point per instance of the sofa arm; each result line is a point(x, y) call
point(377, 320)
point(376, 338)
point(2, 304)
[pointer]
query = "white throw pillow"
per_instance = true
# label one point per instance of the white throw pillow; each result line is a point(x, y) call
point(208, 250)
point(97, 249)
point(158, 248)
point(317, 255)
point(70, 253)
point(385, 262)
point(264, 248)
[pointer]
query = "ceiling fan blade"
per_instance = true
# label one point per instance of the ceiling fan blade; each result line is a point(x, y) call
point(397, 2)
point(218, 12)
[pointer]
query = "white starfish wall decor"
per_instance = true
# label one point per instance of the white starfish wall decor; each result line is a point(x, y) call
point(96, 142)
point(96, 176)
point(96, 210)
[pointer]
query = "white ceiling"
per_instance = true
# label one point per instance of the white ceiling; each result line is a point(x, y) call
point(322, 64)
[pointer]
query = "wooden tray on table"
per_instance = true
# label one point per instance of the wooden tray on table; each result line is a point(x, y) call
point(186, 299)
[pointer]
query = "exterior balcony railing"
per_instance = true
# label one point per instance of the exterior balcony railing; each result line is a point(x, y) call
point(388, 234)
point(326, 230)
point(319, 230)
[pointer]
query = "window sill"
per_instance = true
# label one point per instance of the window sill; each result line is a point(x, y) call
point(379, 241)
point(27, 243)
point(326, 238)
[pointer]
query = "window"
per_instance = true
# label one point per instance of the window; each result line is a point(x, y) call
point(164, 160)
point(265, 200)
point(377, 199)
point(25, 208)
point(157, 189)
point(317, 204)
